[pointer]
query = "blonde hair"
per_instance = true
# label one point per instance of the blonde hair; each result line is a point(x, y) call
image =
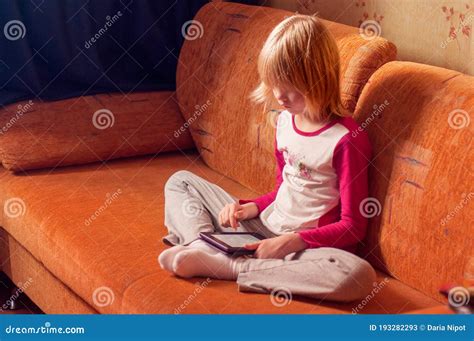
point(301, 52)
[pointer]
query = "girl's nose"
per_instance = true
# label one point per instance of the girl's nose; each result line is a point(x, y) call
point(281, 97)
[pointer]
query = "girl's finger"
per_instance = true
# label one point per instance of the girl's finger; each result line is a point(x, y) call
point(221, 215)
point(221, 218)
point(225, 216)
point(239, 214)
point(256, 254)
point(252, 246)
point(233, 220)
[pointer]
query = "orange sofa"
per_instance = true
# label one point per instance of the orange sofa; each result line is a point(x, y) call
point(83, 198)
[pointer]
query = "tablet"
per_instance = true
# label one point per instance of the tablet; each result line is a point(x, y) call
point(231, 242)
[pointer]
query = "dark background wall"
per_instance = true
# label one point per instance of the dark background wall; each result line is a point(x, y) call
point(54, 49)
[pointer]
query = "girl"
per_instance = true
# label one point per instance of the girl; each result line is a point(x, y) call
point(312, 218)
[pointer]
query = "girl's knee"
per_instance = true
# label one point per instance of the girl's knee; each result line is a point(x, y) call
point(360, 280)
point(182, 174)
point(366, 273)
point(177, 178)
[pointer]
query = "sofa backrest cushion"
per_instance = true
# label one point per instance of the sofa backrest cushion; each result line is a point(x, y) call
point(418, 120)
point(217, 70)
point(85, 129)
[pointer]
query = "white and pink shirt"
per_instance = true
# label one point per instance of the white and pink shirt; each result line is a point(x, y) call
point(322, 178)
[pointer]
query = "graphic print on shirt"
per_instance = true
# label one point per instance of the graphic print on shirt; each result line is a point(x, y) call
point(296, 161)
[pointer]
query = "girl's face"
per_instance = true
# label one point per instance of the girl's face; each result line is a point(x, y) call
point(290, 98)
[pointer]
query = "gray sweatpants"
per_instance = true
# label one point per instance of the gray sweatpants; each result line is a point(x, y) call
point(192, 205)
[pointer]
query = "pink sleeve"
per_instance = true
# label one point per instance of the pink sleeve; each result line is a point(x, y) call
point(263, 201)
point(351, 162)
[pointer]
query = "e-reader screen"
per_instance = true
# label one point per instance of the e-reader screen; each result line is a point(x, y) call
point(236, 240)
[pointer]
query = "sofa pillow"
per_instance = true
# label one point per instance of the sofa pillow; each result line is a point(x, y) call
point(36, 134)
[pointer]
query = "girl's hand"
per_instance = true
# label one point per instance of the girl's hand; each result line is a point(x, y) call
point(231, 214)
point(278, 247)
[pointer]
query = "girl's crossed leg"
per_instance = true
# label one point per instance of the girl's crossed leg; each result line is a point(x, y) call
point(192, 205)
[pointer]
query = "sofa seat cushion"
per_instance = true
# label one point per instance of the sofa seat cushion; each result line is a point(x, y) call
point(98, 228)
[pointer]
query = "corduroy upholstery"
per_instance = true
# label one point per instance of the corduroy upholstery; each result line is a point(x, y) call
point(90, 128)
point(116, 254)
point(77, 262)
point(421, 174)
point(220, 69)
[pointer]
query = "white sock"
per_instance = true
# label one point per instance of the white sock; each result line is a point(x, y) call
point(202, 245)
point(165, 259)
point(195, 262)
